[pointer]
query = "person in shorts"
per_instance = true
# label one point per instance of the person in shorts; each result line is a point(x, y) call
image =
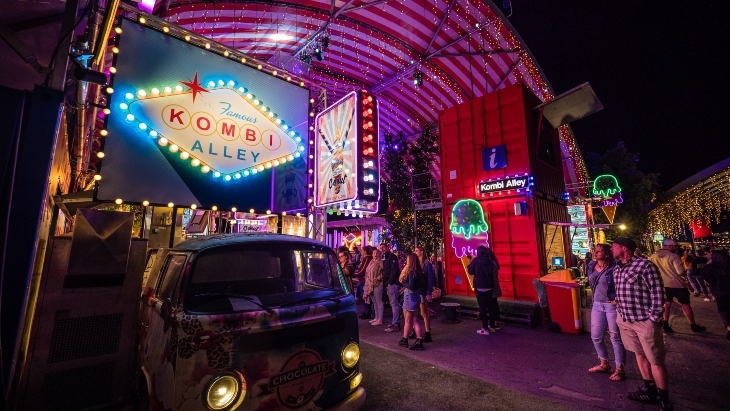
point(640, 305)
point(672, 271)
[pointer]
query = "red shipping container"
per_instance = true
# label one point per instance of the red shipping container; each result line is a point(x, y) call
point(516, 236)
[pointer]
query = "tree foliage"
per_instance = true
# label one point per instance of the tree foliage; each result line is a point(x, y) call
point(639, 190)
point(406, 165)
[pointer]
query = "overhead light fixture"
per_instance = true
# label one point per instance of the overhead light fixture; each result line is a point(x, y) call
point(307, 58)
point(418, 78)
point(325, 42)
point(280, 37)
point(318, 54)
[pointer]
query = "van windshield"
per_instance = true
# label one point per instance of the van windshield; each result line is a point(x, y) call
point(258, 276)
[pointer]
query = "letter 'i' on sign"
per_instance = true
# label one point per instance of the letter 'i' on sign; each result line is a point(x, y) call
point(494, 158)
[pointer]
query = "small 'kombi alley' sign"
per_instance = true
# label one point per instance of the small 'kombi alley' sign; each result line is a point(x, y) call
point(516, 185)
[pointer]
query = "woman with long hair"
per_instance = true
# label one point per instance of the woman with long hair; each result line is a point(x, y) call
point(366, 256)
point(348, 270)
point(374, 286)
point(414, 286)
point(717, 275)
point(603, 313)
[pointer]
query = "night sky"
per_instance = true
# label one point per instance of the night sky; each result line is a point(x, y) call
point(659, 71)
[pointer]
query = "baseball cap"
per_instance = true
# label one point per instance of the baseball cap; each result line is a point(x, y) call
point(626, 242)
point(668, 241)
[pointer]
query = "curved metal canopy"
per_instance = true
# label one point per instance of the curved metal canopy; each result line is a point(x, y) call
point(463, 48)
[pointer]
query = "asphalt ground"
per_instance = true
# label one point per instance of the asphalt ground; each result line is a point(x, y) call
point(521, 368)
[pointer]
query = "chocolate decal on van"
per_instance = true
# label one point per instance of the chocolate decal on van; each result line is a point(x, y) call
point(300, 378)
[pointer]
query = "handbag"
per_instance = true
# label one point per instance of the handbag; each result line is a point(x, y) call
point(436, 293)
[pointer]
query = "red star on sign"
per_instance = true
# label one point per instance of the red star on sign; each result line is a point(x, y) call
point(194, 86)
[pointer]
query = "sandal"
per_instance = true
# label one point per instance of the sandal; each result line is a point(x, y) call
point(600, 368)
point(618, 374)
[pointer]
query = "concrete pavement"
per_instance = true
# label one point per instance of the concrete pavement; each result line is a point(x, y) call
point(553, 367)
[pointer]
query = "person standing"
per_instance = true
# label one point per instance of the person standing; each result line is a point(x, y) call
point(482, 268)
point(347, 269)
point(496, 293)
point(671, 269)
point(428, 271)
point(390, 278)
point(373, 291)
point(603, 312)
point(717, 275)
point(414, 283)
point(698, 263)
point(640, 305)
point(366, 255)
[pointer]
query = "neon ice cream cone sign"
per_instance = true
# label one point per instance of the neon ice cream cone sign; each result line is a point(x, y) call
point(468, 228)
point(606, 186)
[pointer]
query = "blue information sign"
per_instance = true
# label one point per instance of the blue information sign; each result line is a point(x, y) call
point(494, 157)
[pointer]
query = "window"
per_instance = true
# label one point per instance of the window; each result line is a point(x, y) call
point(272, 274)
point(173, 268)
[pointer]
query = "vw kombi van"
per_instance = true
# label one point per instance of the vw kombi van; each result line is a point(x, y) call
point(248, 322)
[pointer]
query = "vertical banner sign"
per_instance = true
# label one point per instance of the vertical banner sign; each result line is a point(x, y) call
point(346, 154)
point(336, 130)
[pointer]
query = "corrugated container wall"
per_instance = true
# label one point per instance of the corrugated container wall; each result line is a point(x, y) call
point(504, 118)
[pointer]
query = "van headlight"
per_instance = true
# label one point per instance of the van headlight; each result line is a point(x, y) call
point(350, 355)
point(225, 391)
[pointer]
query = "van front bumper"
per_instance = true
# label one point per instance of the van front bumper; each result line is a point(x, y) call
point(354, 402)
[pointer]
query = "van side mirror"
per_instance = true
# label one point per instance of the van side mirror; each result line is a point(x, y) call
point(166, 310)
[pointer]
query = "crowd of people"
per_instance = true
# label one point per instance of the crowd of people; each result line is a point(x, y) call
point(375, 275)
point(632, 299)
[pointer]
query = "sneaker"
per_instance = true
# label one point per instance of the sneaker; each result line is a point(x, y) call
point(427, 337)
point(667, 328)
point(698, 328)
point(643, 394)
point(665, 406)
point(697, 294)
point(392, 328)
point(497, 327)
point(482, 331)
point(403, 342)
point(491, 329)
point(376, 323)
point(372, 321)
point(707, 299)
point(712, 299)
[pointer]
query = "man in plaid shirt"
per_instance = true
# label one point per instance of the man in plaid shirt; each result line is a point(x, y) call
point(640, 304)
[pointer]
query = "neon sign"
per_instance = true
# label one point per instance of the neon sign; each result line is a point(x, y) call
point(469, 228)
point(606, 186)
point(518, 184)
point(347, 155)
point(223, 128)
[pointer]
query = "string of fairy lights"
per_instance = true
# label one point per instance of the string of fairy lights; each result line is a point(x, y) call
point(701, 203)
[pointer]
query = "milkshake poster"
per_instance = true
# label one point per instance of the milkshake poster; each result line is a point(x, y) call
point(335, 156)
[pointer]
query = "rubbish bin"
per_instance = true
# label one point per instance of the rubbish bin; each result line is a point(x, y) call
point(563, 300)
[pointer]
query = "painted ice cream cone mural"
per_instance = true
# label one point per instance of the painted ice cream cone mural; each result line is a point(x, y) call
point(606, 186)
point(469, 230)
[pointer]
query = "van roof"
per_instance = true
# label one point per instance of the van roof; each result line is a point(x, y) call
point(218, 240)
